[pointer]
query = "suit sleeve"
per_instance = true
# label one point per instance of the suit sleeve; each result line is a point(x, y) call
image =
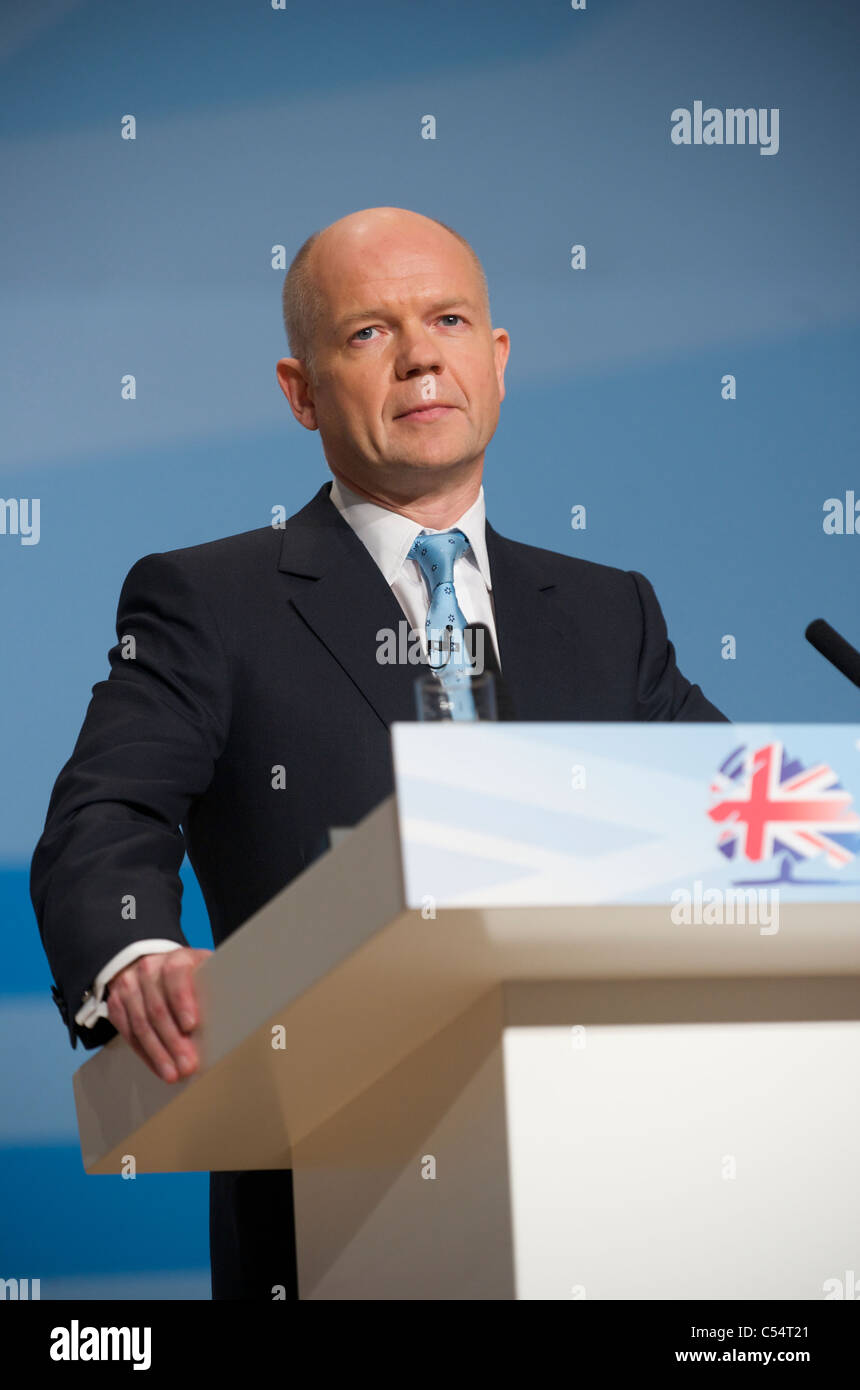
point(105, 872)
point(662, 691)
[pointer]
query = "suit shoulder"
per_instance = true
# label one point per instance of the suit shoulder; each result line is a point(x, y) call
point(569, 569)
point(245, 546)
point(245, 555)
point(228, 557)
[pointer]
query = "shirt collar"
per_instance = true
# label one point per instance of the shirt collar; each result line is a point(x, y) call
point(389, 536)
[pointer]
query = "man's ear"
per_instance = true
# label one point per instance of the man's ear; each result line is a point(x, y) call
point(295, 384)
point(501, 349)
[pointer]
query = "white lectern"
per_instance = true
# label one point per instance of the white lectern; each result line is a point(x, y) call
point(574, 1014)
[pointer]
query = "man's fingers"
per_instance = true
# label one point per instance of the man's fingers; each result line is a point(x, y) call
point(179, 987)
point(141, 1028)
point(118, 1016)
point(153, 1005)
point(182, 1052)
point(144, 1057)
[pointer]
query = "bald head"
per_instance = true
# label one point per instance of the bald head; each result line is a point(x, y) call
point(349, 247)
point(395, 360)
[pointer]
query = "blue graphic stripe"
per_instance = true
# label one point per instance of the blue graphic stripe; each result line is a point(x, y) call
point(560, 832)
point(56, 1221)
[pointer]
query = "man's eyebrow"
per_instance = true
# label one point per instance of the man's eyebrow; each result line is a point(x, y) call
point(382, 313)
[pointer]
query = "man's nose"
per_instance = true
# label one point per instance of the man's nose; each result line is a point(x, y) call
point(418, 353)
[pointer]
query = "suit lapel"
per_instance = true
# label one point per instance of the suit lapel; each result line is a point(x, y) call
point(539, 666)
point(343, 597)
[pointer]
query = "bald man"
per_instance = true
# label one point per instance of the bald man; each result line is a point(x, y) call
point(261, 651)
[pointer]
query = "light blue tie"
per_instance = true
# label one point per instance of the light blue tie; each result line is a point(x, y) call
point(446, 623)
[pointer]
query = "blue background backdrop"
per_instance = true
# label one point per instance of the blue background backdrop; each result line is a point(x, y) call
point(255, 127)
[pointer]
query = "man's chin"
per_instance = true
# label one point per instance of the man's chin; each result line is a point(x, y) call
point(429, 463)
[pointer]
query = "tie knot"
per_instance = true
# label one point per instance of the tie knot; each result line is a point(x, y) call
point(436, 555)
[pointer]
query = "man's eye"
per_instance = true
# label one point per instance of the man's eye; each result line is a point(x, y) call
point(370, 329)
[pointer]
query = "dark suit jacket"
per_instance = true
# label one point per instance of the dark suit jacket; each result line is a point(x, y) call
point(260, 651)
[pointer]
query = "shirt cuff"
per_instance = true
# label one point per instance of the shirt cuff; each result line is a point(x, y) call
point(96, 1005)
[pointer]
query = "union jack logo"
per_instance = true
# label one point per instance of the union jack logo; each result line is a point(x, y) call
point(771, 805)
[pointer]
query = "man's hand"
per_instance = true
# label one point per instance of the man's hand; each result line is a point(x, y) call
point(153, 1005)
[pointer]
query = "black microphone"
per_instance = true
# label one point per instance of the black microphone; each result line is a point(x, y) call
point(835, 649)
point(481, 648)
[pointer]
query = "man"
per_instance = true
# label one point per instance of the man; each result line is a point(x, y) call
point(258, 653)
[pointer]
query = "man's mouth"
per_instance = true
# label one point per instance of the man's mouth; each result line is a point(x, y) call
point(427, 412)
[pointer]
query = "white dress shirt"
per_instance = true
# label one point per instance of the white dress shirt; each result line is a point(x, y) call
point(388, 537)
